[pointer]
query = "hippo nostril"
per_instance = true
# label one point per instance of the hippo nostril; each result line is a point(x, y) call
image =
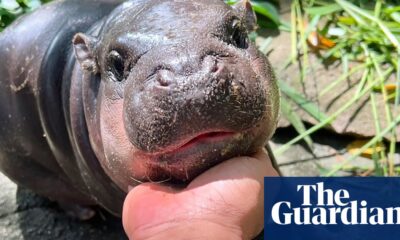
point(162, 82)
point(220, 69)
point(210, 63)
point(164, 77)
point(215, 67)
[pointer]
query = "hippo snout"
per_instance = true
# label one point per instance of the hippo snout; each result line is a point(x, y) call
point(181, 99)
point(165, 74)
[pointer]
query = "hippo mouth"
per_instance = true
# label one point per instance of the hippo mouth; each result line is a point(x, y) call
point(210, 137)
point(181, 162)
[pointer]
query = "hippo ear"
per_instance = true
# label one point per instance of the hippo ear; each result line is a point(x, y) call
point(84, 52)
point(247, 13)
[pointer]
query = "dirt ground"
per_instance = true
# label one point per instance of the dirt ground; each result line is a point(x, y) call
point(24, 215)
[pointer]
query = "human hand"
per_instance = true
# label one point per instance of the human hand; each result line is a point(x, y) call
point(225, 202)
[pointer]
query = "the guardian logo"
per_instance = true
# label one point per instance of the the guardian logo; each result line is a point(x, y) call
point(331, 207)
point(308, 208)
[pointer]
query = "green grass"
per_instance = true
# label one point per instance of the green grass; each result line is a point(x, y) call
point(366, 33)
point(12, 9)
point(268, 15)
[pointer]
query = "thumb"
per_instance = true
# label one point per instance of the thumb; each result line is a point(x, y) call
point(142, 206)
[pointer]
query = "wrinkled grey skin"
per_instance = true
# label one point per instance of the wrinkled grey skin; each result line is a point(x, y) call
point(149, 90)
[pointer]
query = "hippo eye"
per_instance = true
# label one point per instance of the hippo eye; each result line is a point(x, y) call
point(116, 65)
point(239, 36)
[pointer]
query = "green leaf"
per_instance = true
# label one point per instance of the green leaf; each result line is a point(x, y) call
point(327, 121)
point(395, 16)
point(32, 4)
point(360, 15)
point(288, 112)
point(374, 140)
point(324, 10)
point(304, 103)
point(267, 9)
point(9, 4)
point(263, 8)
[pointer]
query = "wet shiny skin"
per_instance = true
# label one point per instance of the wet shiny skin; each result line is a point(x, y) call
point(181, 75)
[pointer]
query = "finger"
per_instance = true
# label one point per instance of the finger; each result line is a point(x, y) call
point(142, 206)
point(255, 167)
point(237, 182)
point(262, 155)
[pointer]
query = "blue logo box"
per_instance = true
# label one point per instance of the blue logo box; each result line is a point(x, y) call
point(332, 208)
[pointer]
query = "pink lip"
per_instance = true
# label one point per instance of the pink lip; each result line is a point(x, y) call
point(208, 136)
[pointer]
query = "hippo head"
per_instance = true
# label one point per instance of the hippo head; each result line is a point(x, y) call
point(177, 87)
